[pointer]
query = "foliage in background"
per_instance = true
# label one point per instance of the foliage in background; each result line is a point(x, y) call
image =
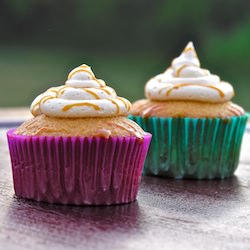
point(126, 41)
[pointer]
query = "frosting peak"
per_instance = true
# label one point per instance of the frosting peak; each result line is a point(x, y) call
point(82, 96)
point(188, 57)
point(84, 77)
point(186, 80)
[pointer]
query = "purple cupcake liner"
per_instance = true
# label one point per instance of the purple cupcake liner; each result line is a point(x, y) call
point(77, 170)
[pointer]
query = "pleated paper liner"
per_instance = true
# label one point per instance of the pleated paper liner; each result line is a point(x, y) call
point(205, 148)
point(77, 170)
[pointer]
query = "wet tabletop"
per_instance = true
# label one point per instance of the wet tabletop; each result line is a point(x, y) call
point(168, 214)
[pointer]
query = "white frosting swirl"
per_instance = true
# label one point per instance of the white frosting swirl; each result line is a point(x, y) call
point(82, 96)
point(185, 80)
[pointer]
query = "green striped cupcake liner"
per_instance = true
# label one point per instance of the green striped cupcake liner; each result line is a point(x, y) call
point(197, 148)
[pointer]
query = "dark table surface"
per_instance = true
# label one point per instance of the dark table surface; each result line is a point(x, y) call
point(168, 214)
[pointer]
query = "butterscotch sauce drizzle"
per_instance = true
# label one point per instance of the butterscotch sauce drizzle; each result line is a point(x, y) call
point(106, 91)
point(180, 69)
point(221, 93)
point(237, 110)
point(70, 106)
point(190, 49)
point(160, 91)
point(76, 93)
point(82, 69)
point(78, 70)
point(53, 90)
point(46, 129)
point(234, 111)
point(34, 108)
point(129, 130)
point(127, 105)
point(100, 83)
point(61, 91)
point(115, 103)
point(132, 127)
point(46, 98)
point(92, 93)
point(150, 110)
point(186, 71)
point(42, 100)
point(183, 108)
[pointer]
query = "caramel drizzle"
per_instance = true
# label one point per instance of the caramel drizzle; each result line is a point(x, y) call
point(117, 106)
point(236, 109)
point(78, 70)
point(192, 84)
point(82, 69)
point(105, 90)
point(99, 82)
point(48, 130)
point(45, 99)
point(180, 69)
point(149, 110)
point(92, 93)
point(131, 126)
point(160, 91)
point(61, 91)
point(129, 130)
point(42, 100)
point(36, 106)
point(125, 102)
point(48, 97)
point(53, 90)
point(70, 106)
point(190, 49)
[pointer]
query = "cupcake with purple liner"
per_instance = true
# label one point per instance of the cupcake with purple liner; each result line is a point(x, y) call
point(80, 148)
point(197, 130)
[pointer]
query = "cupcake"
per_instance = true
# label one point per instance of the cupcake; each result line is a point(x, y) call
point(80, 147)
point(197, 130)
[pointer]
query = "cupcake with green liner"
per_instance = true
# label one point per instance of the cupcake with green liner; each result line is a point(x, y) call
point(197, 130)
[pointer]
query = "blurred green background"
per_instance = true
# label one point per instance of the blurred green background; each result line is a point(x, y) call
point(125, 41)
